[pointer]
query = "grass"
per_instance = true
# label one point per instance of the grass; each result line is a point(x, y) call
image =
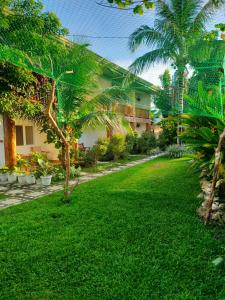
point(130, 235)
point(2, 196)
point(102, 166)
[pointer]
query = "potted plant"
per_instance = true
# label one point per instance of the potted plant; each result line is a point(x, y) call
point(12, 174)
point(45, 170)
point(21, 164)
point(3, 174)
point(21, 177)
point(30, 178)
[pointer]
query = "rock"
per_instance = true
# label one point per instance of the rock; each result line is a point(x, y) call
point(215, 206)
point(200, 196)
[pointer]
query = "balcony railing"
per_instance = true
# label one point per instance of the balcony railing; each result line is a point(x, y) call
point(138, 120)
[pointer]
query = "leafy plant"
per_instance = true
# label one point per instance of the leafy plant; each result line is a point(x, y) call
point(45, 168)
point(21, 162)
point(100, 148)
point(117, 145)
point(152, 152)
point(201, 134)
point(132, 143)
point(4, 170)
point(146, 142)
point(175, 151)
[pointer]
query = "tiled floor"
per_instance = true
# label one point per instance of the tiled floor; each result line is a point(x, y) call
point(17, 194)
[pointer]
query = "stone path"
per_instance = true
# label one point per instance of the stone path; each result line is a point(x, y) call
point(16, 193)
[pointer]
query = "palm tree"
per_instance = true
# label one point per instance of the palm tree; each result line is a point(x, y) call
point(178, 26)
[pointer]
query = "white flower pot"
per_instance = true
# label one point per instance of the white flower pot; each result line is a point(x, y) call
point(3, 177)
point(46, 180)
point(22, 178)
point(12, 178)
point(30, 179)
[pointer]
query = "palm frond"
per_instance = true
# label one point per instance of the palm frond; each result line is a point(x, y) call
point(205, 14)
point(146, 36)
point(108, 119)
point(155, 56)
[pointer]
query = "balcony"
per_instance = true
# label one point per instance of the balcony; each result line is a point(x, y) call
point(132, 119)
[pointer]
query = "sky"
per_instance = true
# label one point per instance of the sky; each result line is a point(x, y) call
point(107, 30)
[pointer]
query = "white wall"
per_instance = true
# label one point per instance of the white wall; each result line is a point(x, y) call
point(90, 136)
point(2, 149)
point(39, 141)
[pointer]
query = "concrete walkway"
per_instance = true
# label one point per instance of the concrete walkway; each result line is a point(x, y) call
point(16, 193)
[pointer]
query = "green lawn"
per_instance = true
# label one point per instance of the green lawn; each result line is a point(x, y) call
point(102, 166)
point(130, 235)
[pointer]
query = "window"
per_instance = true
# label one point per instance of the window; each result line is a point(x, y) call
point(19, 136)
point(29, 135)
point(24, 135)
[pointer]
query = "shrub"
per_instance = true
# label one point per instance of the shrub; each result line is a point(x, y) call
point(162, 141)
point(117, 145)
point(147, 141)
point(154, 151)
point(132, 143)
point(175, 151)
point(100, 148)
point(89, 159)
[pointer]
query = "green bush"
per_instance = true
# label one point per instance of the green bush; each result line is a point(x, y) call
point(117, 145)
point(168, 135)
point(154, 151)
point(100, 148)
point(146, 142)
point(175, 151)
point(132, 143)
point(89, 159)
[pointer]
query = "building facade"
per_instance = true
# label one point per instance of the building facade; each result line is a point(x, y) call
point(21, 136)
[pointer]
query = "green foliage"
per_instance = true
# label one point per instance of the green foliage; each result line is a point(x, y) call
point(45, 168)
point(4, 170)
point(169, 132)
point(153, 152)
point(178, 26)
point(147, 141)
point(100, 148)
point(117, 145)
point(164, 99)
point(137, 7)
point(35, 157)
point(21, 162)
point(132, 145)
point(201, 134)
point(175, 151)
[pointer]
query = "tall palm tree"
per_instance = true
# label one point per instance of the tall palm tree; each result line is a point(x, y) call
point(178, 26)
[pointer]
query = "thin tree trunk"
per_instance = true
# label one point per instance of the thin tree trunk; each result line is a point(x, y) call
point(63, 138)
point(180, 98)
point(67, 180)
point(218, 157)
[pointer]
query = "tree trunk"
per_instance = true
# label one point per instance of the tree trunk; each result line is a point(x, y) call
point(9, 141)
point(67, 180)
point(63, 138)
point(180, 100)
point(218, 157)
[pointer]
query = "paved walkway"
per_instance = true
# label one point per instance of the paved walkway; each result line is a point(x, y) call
point(17, 193)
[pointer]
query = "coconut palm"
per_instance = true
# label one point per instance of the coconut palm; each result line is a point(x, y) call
point(178, 26)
